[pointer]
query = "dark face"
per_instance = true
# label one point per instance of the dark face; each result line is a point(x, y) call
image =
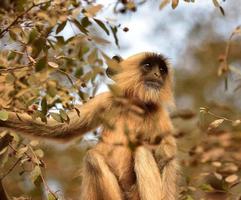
point(154, 70)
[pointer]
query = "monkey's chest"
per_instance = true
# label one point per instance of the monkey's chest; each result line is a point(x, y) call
point(128, 131)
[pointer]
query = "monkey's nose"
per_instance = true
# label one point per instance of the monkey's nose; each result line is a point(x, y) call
point(157, 74)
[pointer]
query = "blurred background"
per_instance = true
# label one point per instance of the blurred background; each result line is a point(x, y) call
point(203, 46)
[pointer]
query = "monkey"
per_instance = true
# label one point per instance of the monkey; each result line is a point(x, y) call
point(135, 158)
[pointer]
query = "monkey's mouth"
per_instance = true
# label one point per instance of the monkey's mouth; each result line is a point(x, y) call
point(153, 83)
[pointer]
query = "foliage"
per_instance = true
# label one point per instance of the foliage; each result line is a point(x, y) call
point(53, 57)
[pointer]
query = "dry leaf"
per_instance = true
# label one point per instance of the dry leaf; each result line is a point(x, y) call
point(215, 124)
point(231, 178)
point(174, 3)
point(53, 65)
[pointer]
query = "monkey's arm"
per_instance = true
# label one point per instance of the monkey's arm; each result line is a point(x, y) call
point(87, 120)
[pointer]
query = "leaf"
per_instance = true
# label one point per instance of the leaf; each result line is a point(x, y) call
point(13, 35)
point(92, 57)
point(61, 27)
point(53, 65)
point(32, 35)
point(39, 153)
point(102, 25)
point(236, 122)
point(3, 115)
point(175, 3)
point(189, 198)
point(114, 32)
point(34, 143)
point(206, 187)
point(41, 64)
point(163, 4)
point(215, 124)
point(21, 151)
point(11, 55)
point(10, 78)
point(51, 197)
point(64, 115)
point(113, 66)
point(80, 27)
point(5, 140)
point(56, 117)
point(36, 176)
point(44, 106)
point(93, 10)
point(222, 10)
point(216, 3)
point(231, 178)
point(85, 22)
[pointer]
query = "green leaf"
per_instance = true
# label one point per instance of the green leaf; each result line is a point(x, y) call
point(60, 40)
point(3, 115)
point(114, 32)
point(13, 35)
point(222, 10)
point(85, 22)
point(56, 117)
point(36, 176)
point(206, 187)
point(102, 25)
point(44, 105)
point(80, 27)
point(64, 115)
point(51, 197)
point(11, 55)
point(83, 50)
point(61, 27)
point(189, 198)
point(92, 57)
point(41, 64)
point(32, 35)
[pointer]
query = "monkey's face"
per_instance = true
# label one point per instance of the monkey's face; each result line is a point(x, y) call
point(146, 76)
point(154, 71)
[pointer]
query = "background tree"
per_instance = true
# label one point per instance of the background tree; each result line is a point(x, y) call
point(54, 54)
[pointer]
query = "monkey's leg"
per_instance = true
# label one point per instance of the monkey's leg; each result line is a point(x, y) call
point(98, 183)
point(148, 177)
point(165, 155)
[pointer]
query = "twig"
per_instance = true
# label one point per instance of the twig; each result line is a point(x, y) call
point(41, 175)
point(12, 69)
point(220, 117)
point(2, 33)
point(10, 169)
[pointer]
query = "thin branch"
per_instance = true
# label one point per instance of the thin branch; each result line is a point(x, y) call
point(10, 169)
point(3, 193)
point(219, 117)
point(2, 33)
point(41, 175)
point(13, 69)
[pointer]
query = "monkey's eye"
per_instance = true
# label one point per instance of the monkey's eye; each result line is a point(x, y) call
point(163, 70)
point(147, 66)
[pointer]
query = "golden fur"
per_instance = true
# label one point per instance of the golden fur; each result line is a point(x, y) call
point(135, 158)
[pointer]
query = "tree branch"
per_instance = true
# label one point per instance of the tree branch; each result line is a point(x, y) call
point(2, 33)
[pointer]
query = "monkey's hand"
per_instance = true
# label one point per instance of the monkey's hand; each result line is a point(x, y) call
point(166, 150)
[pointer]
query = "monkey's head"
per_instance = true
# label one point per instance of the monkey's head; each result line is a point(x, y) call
point(146, 76)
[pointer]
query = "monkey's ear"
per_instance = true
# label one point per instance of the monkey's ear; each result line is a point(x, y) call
point(113, 66)
point(117, 58)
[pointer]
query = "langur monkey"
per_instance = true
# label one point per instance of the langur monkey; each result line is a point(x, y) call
point(135, 158)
